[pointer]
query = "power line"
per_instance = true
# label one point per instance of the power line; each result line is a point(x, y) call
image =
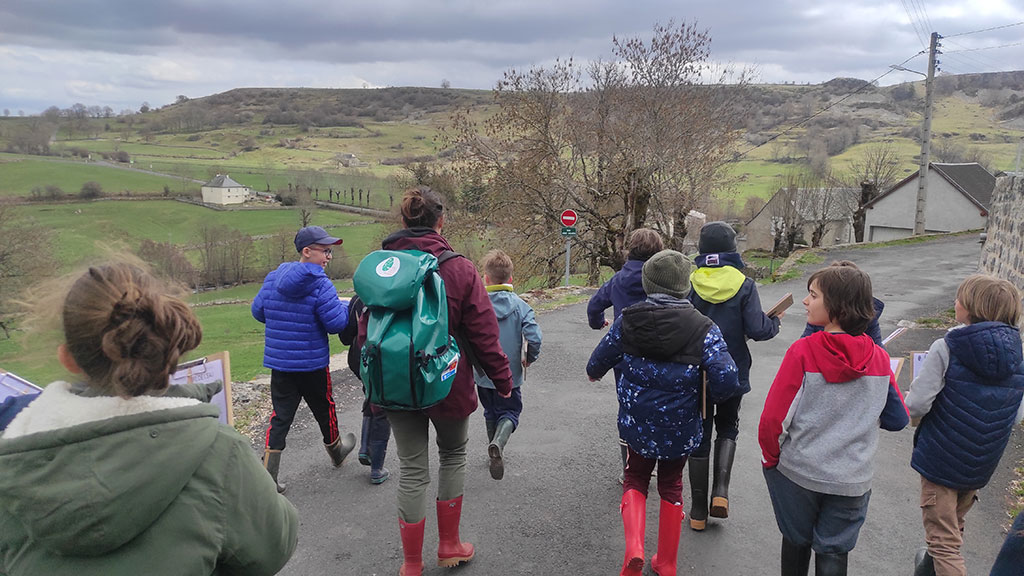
point(913, 22)
point(971, 54)
point(984, 48)
point(830, 106)
point(919, 5)
point(984, 30)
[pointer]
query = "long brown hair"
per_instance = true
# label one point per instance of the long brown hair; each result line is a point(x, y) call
point(422, 207)
point(124, 331)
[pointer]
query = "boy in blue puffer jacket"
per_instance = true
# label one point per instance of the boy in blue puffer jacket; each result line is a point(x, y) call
point(966, 399)
point(622, 290)
point(516, 322)
point(664, 348)
point(300, 306)
point(723, 293)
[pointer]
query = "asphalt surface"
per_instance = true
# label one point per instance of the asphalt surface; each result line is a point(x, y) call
point(557, 509)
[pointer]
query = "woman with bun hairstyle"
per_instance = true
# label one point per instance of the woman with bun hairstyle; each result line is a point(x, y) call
point(114, 473)
point(472, 321)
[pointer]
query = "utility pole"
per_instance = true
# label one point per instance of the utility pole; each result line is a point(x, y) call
point(926, 138)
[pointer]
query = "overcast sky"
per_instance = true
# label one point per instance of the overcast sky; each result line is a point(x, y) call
point(121, 53)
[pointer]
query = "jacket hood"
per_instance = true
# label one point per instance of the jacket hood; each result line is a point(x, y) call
point(717, 259)
point(842, 357)
point(297, 279)
point(992, 350)
point(88, 489)
point(717, 284)
point(423, 239)
point(657, 325)
point(503, 300)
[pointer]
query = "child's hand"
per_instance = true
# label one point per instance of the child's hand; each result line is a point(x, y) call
point(344, 298)
point(526, 364)
point(509, 395)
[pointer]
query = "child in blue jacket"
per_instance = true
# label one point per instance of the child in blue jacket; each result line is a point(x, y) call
point(723, 293)
point(516, 322)
point(664, 348)
point(967, 399)
point(624, 289)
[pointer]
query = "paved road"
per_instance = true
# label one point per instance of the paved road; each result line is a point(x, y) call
point(556, 511)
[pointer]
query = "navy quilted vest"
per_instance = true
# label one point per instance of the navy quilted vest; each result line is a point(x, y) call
point(962, 438)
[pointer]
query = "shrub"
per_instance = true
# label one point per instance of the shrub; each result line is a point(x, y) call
point(91, 190)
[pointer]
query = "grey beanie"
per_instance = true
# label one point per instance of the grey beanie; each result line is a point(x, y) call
point(716, 237)
point(667, 272)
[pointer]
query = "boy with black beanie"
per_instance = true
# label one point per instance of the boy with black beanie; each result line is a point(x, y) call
point(721, 291)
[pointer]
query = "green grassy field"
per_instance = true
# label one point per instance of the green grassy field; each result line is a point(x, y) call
point(19, 174)
point(84, 229)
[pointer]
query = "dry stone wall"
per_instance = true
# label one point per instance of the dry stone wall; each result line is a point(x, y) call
point(1003, 254)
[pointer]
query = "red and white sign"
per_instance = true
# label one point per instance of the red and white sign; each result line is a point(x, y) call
point(568, 218)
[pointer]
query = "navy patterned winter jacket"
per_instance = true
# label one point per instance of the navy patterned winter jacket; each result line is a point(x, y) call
point(661, 346)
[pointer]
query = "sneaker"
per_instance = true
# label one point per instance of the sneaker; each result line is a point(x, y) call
point(379, 477)
point(364, 458)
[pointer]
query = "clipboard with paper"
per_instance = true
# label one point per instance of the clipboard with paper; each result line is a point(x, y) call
point(206, 370)
point(13, 385)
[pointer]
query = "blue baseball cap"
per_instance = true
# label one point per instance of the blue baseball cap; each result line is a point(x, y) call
point(313, 235)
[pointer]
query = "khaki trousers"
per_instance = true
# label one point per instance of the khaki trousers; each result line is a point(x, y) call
point(943, 510)
point(412, 435)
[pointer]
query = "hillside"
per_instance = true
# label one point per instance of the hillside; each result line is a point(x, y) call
point(270, 138)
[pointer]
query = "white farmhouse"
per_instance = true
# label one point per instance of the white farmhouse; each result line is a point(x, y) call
point(223, 190)
point(957, 199)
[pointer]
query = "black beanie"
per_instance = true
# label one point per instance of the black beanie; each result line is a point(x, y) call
point(667, 272)
point(716, 237)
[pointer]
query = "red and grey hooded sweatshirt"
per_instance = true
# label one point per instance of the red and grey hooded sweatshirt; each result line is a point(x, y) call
point(821, 417)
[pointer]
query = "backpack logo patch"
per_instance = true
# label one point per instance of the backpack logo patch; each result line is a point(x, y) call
point(388, 267)
point(450, 370)
point(711, 260)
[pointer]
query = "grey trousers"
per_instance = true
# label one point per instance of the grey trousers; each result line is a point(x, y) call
point(412, 434)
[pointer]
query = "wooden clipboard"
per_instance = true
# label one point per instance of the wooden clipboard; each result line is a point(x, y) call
point(781, 306)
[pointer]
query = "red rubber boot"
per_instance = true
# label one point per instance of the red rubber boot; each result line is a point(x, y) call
point(412, 547)
point(670, 518)
point(451, 550)
point(634, 516)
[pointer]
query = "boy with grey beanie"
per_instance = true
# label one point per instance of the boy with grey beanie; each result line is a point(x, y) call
point(665, 347)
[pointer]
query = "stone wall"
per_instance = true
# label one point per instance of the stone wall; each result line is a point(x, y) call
point(1003, 253)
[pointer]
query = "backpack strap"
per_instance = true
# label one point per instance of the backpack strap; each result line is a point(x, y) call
point(446, 256)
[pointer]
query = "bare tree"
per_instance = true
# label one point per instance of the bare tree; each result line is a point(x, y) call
point(875, 172)
point(635, 142)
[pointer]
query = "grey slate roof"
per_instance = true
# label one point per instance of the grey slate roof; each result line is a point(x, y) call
point(970, 178)
point(223, 181)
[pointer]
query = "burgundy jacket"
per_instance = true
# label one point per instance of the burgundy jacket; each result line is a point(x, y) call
point(470, 316)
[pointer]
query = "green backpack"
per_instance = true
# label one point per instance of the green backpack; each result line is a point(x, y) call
point(408, 360)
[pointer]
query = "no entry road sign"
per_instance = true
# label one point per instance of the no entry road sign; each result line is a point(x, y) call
point(568, 218)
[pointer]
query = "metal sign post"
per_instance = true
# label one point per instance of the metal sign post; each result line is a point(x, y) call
point(568, 232)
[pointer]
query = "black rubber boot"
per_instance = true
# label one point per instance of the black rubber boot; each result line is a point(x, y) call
point(491, 425)
point(272, 462)
point(923, 563)
point(495, 449)
point(340, 448)
point(796, 560)
point(380, 433)
point(830, 564)
point(725, 451)
point(364, 441)
point(698, 468)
